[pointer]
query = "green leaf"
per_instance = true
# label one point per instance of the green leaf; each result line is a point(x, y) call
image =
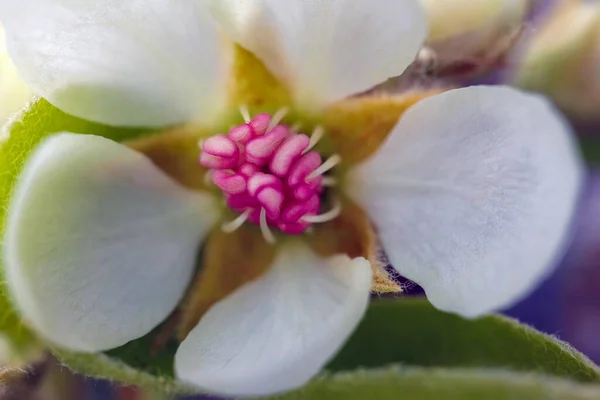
point(144, 355)
point(401, 331)
point(411, 331)
point(102, 366)
point(39, 120)
point(393, 383)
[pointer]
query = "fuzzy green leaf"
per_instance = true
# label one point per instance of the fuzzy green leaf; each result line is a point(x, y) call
point(407, 331)
point(102, 366)
point(20, 137)
point(411, 331)
point(405, 383)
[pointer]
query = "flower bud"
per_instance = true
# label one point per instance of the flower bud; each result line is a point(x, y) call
point(477, 32)
point(14, 93)
point(563, 60)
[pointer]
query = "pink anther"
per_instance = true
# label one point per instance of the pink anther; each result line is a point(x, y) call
point(288, 153)
point(248, 170)
point(241, 202)
point(296, 210)
point(303, 168)
point(271, 200)
point(263, 171)
point(242, 134)
point(228, 182)
point(293, 228)
point(260, 123)
point(260, 181)
point(220, 152)
point(220, 146)
point(305, 190)
point(261, 149)
point(215, 162)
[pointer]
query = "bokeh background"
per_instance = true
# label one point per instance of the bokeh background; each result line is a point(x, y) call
point(566, 305)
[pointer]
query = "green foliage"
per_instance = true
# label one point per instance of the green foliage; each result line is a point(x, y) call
point(407, 331)
point(10, 325)
point(145, 355)
point(393, 383)
point(103, 366)
point(41, 119)
point(412, 332)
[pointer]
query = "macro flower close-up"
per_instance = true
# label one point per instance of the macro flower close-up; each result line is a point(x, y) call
point(257, 194)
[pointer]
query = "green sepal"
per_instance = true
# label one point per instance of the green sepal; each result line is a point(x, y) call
point(408, 383)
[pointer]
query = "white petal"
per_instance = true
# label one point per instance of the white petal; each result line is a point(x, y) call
point(14, 93)
point(327, 49)
point(473, 194)
point(135, 62)
point(277, 332)
point(100, 244)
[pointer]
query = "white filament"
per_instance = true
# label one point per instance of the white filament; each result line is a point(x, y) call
point(326, 166)
point(264, 227)
point(234, 225)
point(316, 136)
point(279, 115)
point(245, 114)
point(328, 216)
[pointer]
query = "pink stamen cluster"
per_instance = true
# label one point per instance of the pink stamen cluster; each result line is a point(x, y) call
point(266, 169)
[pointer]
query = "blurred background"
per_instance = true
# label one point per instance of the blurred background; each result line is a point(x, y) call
point(549, 46)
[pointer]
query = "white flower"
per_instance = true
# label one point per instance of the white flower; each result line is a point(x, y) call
point(14, 93)
point(471, 193)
